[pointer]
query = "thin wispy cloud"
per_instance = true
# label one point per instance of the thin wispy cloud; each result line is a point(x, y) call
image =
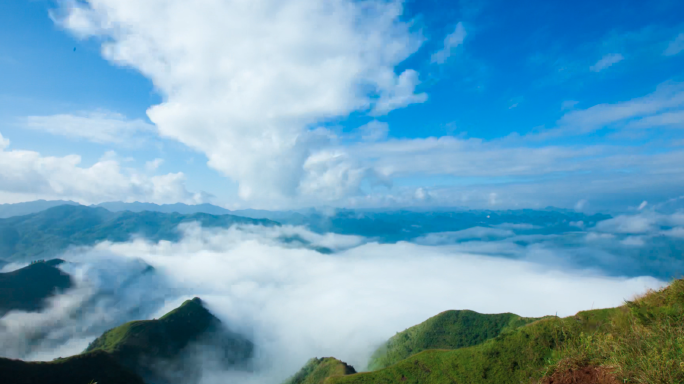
point(606, 61)
point(451, 42)
point(96, 126)
point(675, 46)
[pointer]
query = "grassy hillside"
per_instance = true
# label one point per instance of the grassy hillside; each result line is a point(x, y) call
point(141, 345)
point(316, 371)
point(49, 232)
point(26, 289)
point(448, 330)
point(640, 342)
point(97, 367)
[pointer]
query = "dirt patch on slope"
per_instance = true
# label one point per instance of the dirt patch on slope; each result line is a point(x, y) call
point(583, 375)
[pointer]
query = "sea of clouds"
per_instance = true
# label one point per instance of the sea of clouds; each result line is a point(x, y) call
point(295, 302)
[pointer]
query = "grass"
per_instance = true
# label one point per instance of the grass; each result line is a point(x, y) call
point(316, 371)
point(447, 330)
point(642, 342)
point(639, 342)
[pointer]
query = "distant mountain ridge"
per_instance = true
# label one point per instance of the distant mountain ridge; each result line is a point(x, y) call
point(48, 233)
point(27, 208)
point(184, 209)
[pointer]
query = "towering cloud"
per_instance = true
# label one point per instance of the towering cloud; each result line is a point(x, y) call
point(246, 82)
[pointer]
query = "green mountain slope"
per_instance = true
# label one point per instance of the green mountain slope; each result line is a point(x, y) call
point(47, 233)
point(448, 330)
point(640, 342)
point(97, 367)
point(26, 289)
point(316, 371)
point(142, 345)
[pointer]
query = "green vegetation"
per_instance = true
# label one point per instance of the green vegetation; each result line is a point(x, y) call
point(47, 233)
point(138, 344)
point(639, 342)
point(87, 368)
point(26, 289)
point(316, 371)
point(448, 330)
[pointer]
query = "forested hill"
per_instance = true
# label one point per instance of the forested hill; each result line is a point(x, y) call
point(47, 233)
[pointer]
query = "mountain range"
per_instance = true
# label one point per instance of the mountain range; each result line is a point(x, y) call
point(48, 233)
point(379, 225)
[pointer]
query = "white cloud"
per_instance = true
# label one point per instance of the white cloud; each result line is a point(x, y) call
point(642, 205)
point(152, 165)
point(648, 111)
point(4, 143)
point(242, 81)
point(451, 42)
point(29, 174)
point(568, 104)
point(401, 95)
point(676, 46)
point(374, 131)
point(96, 126)
point(606, 62)
point(666, 120)
point(637, 224)
point(580, 205)
point(421, 194)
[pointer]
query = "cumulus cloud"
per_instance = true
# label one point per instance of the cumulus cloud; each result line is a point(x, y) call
point(96, 126)
point(606, 62)
point(243, 81)
point(451, 42)
point(29, 174)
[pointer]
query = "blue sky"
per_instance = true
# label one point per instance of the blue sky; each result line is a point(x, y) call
point(478, 104)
